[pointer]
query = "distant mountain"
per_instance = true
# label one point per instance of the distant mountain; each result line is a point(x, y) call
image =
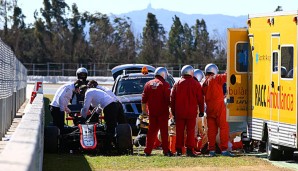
point(214, 22)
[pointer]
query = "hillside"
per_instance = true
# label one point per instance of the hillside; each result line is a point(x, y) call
point(214, 22)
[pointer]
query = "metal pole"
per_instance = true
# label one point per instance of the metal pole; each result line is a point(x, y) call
point(48, 69)
point(93, 69)
point(62, 69)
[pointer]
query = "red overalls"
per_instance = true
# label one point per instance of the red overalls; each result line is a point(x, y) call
point(156, 95)
point(216, 110)
point(186, 96)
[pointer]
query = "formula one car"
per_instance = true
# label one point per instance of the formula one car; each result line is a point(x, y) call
point(86, 136)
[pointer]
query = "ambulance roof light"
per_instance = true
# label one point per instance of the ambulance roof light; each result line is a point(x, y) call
point(144, 70)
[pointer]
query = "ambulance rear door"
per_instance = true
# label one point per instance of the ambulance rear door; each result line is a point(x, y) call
point(238, 75)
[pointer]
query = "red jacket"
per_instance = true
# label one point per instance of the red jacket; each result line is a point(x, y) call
point(213, 92)
point(186, 96)
point(156, 95)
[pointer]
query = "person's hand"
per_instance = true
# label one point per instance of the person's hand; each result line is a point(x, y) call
point(67, 110)
point(201, 114)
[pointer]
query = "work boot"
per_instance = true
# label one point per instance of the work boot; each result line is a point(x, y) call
point(147, 154)
point(169, 154)
point(212, 154)
point(197, 153)
point(227, 153)
point(190, 153)
point(179, 152)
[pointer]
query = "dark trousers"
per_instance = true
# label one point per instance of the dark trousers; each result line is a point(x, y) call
point(121, 118)
point(113, 115)
point(58, 117)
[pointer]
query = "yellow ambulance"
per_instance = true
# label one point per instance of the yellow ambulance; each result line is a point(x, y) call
point(262, 80)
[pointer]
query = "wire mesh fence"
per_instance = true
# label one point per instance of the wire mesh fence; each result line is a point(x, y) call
point(13, 83)
point(99, 69)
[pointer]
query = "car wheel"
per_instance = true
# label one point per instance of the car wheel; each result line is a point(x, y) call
point(51, 139)
point(124, 142)
point(288, 154)
point(273, 154)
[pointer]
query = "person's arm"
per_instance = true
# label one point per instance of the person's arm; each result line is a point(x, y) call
point(144, 100)
point(173, 100)
point(87, 103)
point(64, 99)
point(200, 100)
point(221, 78)
point(167, 91)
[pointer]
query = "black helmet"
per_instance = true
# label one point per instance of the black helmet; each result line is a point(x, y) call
point(82, 73)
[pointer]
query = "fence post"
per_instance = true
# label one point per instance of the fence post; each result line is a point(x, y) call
point(94, 69)
point(48, 69)
point(2, 114)
point(108, 67)
point(62, 69)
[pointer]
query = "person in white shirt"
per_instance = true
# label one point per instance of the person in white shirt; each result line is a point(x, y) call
point(94, 84)
point(59, 104)
point(112, 113)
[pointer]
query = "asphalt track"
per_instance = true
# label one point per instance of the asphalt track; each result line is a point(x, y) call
point(291, 164)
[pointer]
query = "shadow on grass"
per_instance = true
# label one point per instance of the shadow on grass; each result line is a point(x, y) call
point(61, 161)
point(64, 162)
point(264, 156)
point(48, 117)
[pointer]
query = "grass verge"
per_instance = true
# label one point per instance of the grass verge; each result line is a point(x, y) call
point(88, 162)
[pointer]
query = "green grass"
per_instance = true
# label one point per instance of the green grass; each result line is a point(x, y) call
point(135, 162)
point(87, 162)
point(159, 161)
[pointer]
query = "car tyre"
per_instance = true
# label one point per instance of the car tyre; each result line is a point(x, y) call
point(124, 141)
point(288, 154)
point(273, 154)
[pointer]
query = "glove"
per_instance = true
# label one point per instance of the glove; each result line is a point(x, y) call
point(143, 115)
point(201, 114)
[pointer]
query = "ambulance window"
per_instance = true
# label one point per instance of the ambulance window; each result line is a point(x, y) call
point(242, 57)
point(287, 62)
point(275, 62)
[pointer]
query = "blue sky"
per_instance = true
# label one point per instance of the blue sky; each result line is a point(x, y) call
point(226, 7)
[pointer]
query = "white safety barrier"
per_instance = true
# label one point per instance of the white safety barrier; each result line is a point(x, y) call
point(24, 151)
point(63, 79)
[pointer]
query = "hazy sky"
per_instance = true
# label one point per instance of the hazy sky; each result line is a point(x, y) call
point(227, 7)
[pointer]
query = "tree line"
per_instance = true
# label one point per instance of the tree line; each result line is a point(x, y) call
point(58, 35)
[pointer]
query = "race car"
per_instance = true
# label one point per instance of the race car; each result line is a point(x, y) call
point(129, 83)
point(84, 136)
